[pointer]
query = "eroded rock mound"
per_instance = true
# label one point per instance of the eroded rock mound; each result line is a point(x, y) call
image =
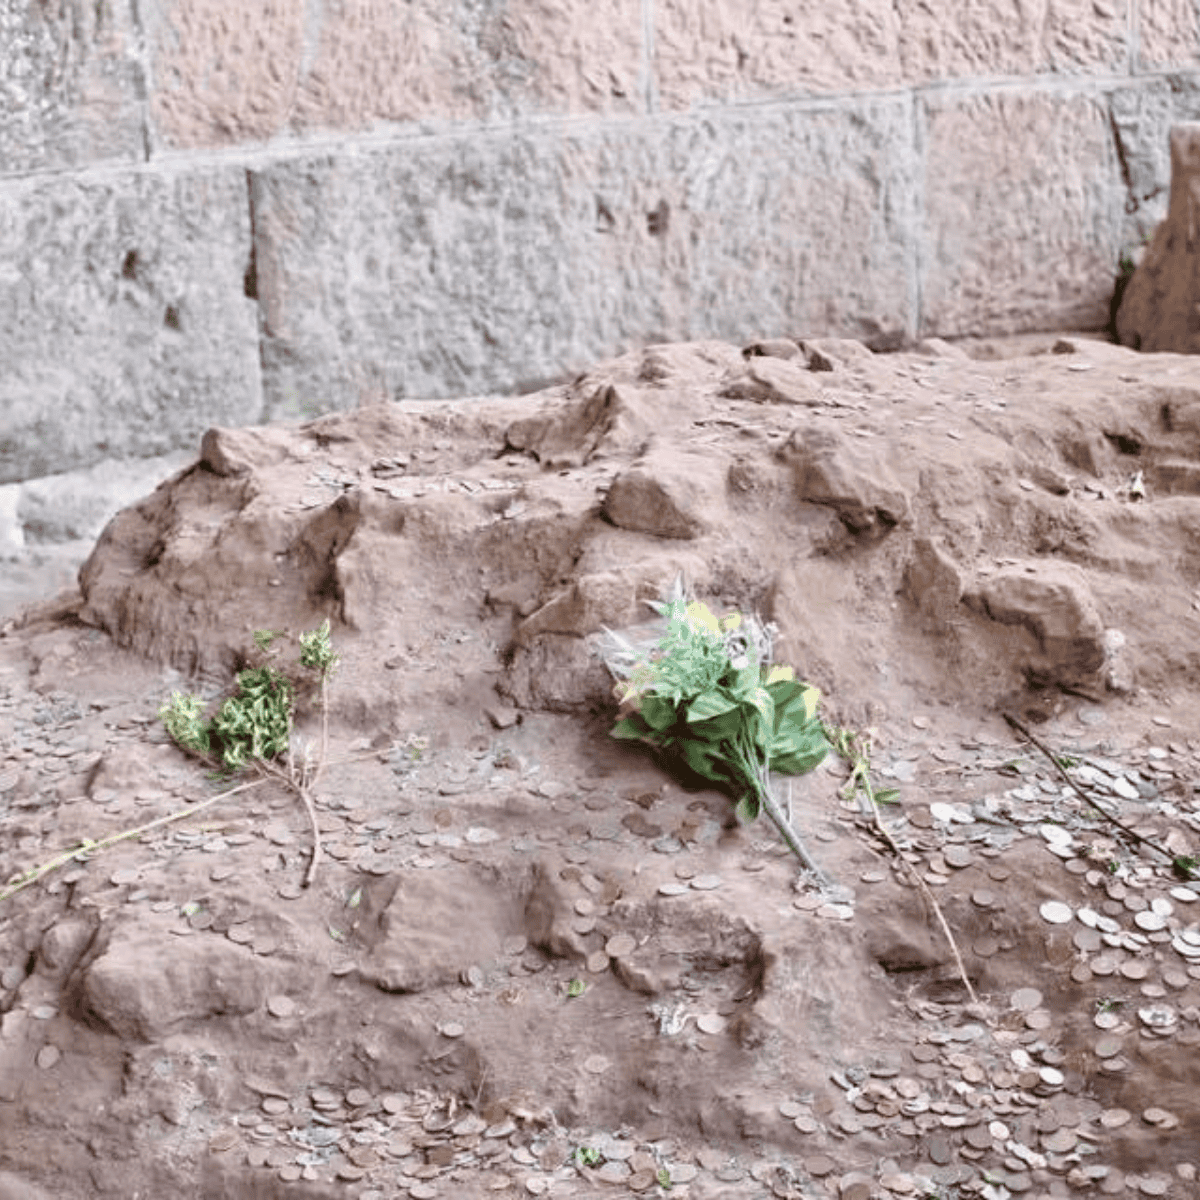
point(910, 521)
point(1158, 308)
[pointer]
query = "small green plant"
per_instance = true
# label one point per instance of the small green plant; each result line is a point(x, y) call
point(253, 727)
point(854, 748)
point(586, 1156)
point(709, 694)
point(663, 1177)
point(576, 988)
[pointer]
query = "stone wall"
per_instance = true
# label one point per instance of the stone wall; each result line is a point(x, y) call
point(218, 212)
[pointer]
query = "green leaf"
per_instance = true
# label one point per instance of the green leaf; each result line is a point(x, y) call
point(631, 728)
point(762, 729)
point(657, 712)
point(717, 729)
point(887, 796)
point(747, 808)
point(710, 704)
point(705, 759)
point(576, 988)
point(745, 681)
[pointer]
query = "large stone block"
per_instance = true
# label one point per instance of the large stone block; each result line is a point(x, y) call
point(1024, 213)
point(453, 266)
point(352, 64)
point(125, 329)
point(717, 49)
point(1168, 34)
point(1160, 310)
point(71, 84)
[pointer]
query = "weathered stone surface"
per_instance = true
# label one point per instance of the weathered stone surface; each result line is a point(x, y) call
point(1015, 182)
point(717, 50)
point(549, 916)
point(125, 329)
point(591, 601)
point(12, 532)
point(1053, 602)
point(71, 84)
point(857, 481)
point(1141, 116)
point(78, 504)
point(413, 271)
point(13, 1187)
point(607, 420)
point(219, 78)
point(556, 672)
point(932, 579)
point(666, 493)
point(142, 988)
point(1168, 34)
point(433, 926)
point(354, 64)
point(1160, 309)
point(776, 380)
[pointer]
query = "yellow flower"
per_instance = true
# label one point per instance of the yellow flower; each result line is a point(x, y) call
point(778, 672)
point(699, 617)
point(732, 621)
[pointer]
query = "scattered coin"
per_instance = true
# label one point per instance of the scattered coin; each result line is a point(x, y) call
point(1054, 912)
point(222, 1140)
point(710, 1022)
point(620, 945)
point(1159, 1116)
point(596, 1064)
point(957, 855)
point(707, 883)
point(671, 888)
point(281, 1006)
point(1060, 1141)
point(1025, 999)
point(48, 1056)
point(451, 1029)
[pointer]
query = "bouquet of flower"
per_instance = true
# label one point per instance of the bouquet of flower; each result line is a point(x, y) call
point(707, 691)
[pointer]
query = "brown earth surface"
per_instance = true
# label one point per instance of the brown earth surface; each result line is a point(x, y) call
point(940, 540)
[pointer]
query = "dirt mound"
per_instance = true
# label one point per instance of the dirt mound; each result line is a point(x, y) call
point(916, 525)
point(530, 963)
